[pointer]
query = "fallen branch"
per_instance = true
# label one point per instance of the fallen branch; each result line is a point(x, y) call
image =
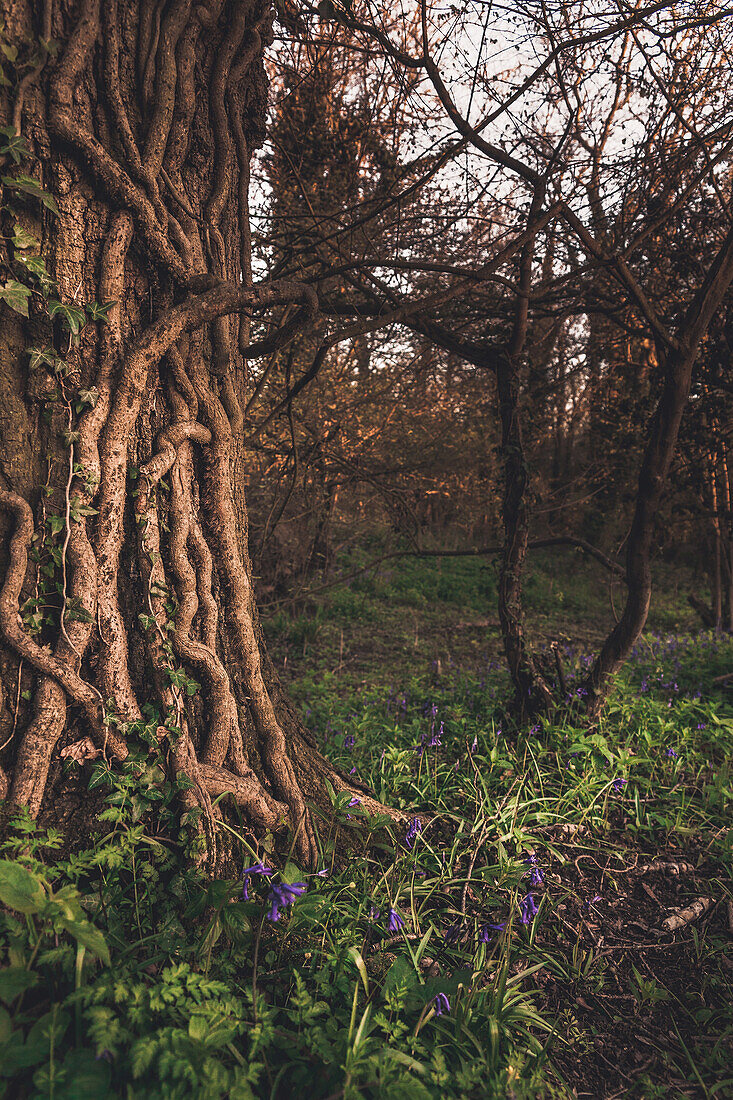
point(686, 916)
point(667, 867)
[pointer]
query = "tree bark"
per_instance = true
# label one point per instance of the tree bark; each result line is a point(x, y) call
point(679, 361)
point(142, 130)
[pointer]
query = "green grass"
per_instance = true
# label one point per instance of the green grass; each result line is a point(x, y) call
point(203, 996)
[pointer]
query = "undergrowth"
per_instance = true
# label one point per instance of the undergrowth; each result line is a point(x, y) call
point(447, 961)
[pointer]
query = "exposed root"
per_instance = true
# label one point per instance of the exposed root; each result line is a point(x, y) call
point(247, 791)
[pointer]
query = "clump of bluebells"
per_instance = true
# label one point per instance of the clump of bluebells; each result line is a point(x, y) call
point(283, 895)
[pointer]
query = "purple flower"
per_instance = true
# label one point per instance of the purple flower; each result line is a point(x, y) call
point(395, 920)
point(255, 869)
point(442, 1004)
point(474, 745)
point(283, 895)
point(373, 912)
point(355, 802)
point(618, 785)
point(413, 829)
point(593, 900)
point(536, 876)
point(323, 874)
point(435, 739)
point(352, 771)
point(349, 741)
point(484, 935)
point(528, 909)
point(672, 753)
point(453, 932)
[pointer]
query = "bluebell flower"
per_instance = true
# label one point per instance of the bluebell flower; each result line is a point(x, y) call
point(528, 909)
point(414, 827)
point(474, 745)
point(453, 932)
point(484, 935)
point(323, 874)
point(435, 739)
point(672, 753)
point(355, 802)
point(395, 921)
point(283, 895)
point(373, 912)
point(618, 785)
point(349, 741)
point(442, 1004)
point(536, 876)
point(255, 869)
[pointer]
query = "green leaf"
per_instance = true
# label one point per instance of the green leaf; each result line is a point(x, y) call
point(86, 934)
point(86, 1077)
point(14, 980)
point(198, 1027)
point(88, 397)
point(43, 357)
point(29, 186)
point(73, 317)
point(400, 976)
point(291, 873)
point(6, 1026)
point(36, 266)
point(98, 310)
point(22, 239)
point(15, 295)
point(20, 889)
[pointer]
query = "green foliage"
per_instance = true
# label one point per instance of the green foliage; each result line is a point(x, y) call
point(125, 972)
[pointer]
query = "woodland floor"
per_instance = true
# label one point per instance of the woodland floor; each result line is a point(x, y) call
point(635, 1012)
point(528, 894)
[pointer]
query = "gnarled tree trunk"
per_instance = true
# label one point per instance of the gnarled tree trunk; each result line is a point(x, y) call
point(120, 456)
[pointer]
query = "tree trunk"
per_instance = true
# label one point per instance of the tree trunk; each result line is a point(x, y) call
point(679, 361)
point(142, 130)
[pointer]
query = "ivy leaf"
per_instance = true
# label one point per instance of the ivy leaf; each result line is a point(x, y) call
point(98, 311)
point(15, 295)
point(36, 266)
point(86, 398)
point(23, 239)
point(12, 144)
point(19, 888)
point(43, 357)
point(73, 317)
point(29, 186)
